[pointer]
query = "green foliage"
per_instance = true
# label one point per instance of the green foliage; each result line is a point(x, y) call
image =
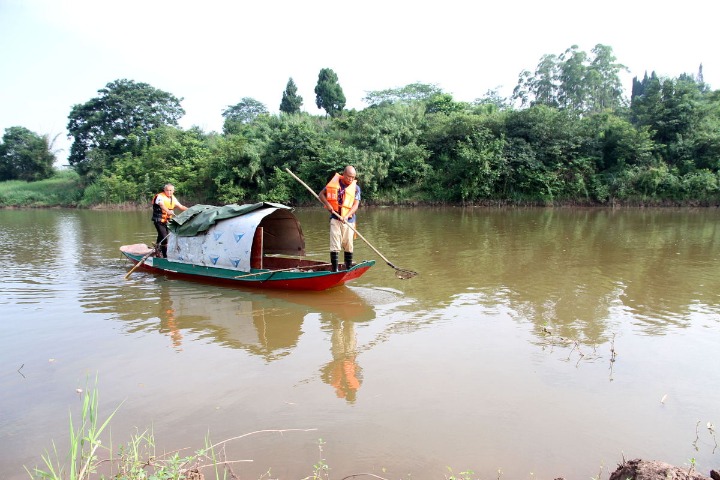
point(683, 118)
point(280, 188)
point(25, 155)
point(234, 165)
point(478, 167)
point(117, 122)
point(328, 93)
point(171, 155)
point(443, 103)
point(390, 136)
point(464, 475)
point(614, 143)
point(573, 141)
point(91, 457)
point(181, 157)
point(700, 185)
point(491, 102)
point(85, 445)
point(247, 110)
point(468, 158)
point(109, 190)
point(574, 80)
point(291, 101)
point(543, 143)
point(62, 189)
point(414, 92)
point(321, 469)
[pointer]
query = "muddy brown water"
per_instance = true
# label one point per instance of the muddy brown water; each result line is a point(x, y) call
point(534, 343)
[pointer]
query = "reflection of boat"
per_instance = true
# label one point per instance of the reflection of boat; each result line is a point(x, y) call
point(259, 245)
point(267, 324)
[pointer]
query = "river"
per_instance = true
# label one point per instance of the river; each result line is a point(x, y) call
point(534, 343)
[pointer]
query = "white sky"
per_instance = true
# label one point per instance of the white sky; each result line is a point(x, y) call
point(211, 53)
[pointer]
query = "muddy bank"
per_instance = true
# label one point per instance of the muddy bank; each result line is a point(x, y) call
point(639, 469)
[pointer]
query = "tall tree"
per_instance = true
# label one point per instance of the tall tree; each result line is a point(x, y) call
point(540, 88)
point(117, 122)
point(573, 81)
point(328, 93)
point(645, 99)
point(291, 101)
point(25, 155)
point(243, 112)
point(638, 88)
point(603, 80)
point(573, 74)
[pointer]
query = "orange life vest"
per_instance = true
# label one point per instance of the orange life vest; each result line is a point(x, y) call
point(158, 213)
point(332, 189)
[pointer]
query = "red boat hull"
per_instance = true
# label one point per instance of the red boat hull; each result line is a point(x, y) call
point(313, 276)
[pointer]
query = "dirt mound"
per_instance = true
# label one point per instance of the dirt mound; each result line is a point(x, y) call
point(652, 470)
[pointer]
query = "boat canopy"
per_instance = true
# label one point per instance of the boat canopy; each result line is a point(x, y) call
point(234, 236)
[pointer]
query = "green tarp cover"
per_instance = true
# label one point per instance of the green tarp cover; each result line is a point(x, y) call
point(199, 218)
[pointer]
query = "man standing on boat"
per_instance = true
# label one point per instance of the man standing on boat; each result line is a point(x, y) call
point(342, 196)
point(164, 205)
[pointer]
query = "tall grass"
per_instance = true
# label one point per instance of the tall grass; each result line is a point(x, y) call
point(82, 458)
point(64, 189)
point(89, 456)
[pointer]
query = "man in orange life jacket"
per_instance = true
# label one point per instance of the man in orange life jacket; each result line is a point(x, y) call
point(164, 205)
point(342, 196)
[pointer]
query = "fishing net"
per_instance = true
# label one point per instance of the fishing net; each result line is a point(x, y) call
point(403, 274)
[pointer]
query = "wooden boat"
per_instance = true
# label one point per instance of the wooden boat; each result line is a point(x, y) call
point(257, 245)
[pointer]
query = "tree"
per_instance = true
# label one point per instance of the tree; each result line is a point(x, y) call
point(605, 87)
point(574, 81)
point(443, 103)
point(389, 137)
point(328, 93)
point(491, 101)
point(544, 145)
point(645, 99)
point(291, 101)
point(546, 81)
point(242, 113)
point(572, 88)
point(413, 92)
point(118, 121)
point(25, 155)
point(678, 113)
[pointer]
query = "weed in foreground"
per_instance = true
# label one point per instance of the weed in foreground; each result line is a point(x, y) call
point(88, 458)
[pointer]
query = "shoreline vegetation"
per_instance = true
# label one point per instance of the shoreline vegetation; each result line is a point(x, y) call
point(569, 135)
point(64, 190)
point(93, 455)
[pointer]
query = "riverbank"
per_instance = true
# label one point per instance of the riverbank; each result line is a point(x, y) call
point(64, 190)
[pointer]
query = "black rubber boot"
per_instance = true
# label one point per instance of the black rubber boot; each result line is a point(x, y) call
point(334, 260)
point(348, 260)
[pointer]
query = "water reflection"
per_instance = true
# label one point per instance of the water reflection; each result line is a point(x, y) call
point(267, 324)
point(343, 372)
point(581, 271)
point(38, 254)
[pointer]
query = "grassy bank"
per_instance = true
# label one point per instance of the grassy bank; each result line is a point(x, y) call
point(62, 190)
point(65, 189)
